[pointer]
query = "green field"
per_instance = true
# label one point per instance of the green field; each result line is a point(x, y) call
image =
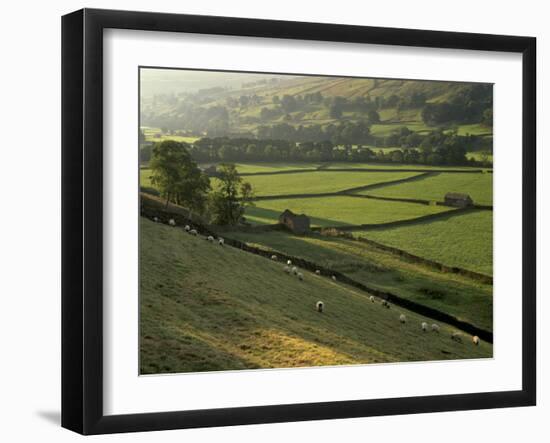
point(272, 167)
point(317, 182)
point(474, 129)
point(480, 156)
point(156, 135)
point(145, 177)
point(463, 240)
point(457, 295)
point(385, 129)
point(396, 166)
point(339, 210)
point(205, 308)
point(478, 185)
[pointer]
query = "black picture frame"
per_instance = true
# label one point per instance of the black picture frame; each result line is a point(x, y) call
point(82, 218)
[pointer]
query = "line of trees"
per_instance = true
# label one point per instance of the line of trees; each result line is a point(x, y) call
point(179, 180)
point(435, 148)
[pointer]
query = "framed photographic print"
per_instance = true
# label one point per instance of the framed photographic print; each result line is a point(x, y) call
point(270, 221)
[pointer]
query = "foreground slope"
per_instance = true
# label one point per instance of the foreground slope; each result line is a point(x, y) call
point(204, 307)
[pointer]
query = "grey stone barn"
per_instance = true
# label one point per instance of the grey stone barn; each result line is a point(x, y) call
point(458, 200)
point(297, 223)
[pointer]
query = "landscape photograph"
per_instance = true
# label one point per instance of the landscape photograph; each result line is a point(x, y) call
point(294, 221)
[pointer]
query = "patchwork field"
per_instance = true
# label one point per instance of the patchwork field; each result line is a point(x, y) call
point(396, 166)
point(156, 135)
point(457, 295)
point(205, 308)
point(434, 187)
point(464, 240)
point(316, 182)
point(340, 210)
point(247, 168)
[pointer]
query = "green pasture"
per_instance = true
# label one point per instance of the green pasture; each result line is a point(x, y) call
point(451, 293)
point(339, 210)
point(464, 240)
point(247, 168)
point(316, 182)
point(204, 307)
point(434, 187)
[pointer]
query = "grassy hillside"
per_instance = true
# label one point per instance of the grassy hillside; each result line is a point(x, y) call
point(460, 296)
point(464, 240)
point(204, 308)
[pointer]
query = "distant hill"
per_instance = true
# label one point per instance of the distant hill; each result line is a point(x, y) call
point(248, 105)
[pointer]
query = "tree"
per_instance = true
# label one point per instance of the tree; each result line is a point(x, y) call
point(373, 117)
point(228, 203)
point(335, 110)
point(177, 176)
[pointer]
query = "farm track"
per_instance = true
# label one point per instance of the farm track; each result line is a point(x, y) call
point(418, 308)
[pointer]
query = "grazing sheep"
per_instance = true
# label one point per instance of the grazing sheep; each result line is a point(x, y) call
point(287, 269)
point(318, 272)
point(156, 219)
point(187, 228)
point(300, 276)
point(333, 278)
point(403, 318)
point(371, 298)
point(295, 270)
point(172, 222)
point(457, 336)
point(435, 327)
point(273, 257)
point(320, 306)
point(289, 262)
point(193, 232)
point(210, 239)
point(475, 340)
point(221, 241)
point(386, 304)
point(424, 326)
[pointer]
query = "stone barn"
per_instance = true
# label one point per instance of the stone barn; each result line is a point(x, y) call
point(297, 223)
point(458, 200)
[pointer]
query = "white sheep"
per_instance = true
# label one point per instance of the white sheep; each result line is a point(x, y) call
point(333, 278)
point(457, 336)
point(318, 272)
point(193, 232)
point(424, 326)
point(386, 304)
point(187, 228)
point(295, 270)
point(287, 269)
point(435, 327)
point(274, 257)
point(289, 262)
point(221, 241)
point(300, 276)
point(475, 340)
point(172, 222)
point(403, 318)
point(320, 306)
point(371, 298)
point(210, 239)
point(156, 219)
